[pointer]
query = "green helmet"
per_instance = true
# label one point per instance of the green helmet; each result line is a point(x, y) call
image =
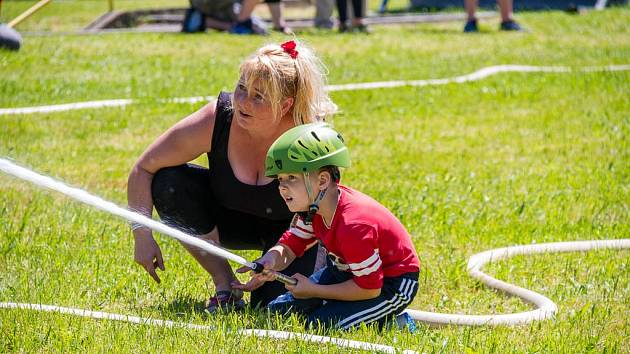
point(306, 148)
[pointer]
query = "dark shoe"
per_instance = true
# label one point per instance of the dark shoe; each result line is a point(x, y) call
point(324, 23)
point(471, 26)
point(361, 29)
point(194, 21)
point(224, 301)
point(244, 27)
point(510, 25)
point(252, 25)
point(343, 28)
point(9, 38)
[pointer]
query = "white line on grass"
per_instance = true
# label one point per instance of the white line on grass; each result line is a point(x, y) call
point(475, 76)
point(344, 343)
point(546, 308)
point(95, 104)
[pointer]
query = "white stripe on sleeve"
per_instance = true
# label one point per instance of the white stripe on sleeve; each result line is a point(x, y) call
point(370, 270)
point(366, 263)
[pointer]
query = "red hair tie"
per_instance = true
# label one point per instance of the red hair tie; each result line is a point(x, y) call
point(289, 48)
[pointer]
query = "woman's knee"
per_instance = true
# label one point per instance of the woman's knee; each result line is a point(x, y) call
point(165, 183)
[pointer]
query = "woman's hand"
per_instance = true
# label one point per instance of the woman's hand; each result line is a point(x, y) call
point(147, 253)
point(304, 289)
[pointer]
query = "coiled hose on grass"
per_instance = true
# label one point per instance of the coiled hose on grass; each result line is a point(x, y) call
point(545, 307)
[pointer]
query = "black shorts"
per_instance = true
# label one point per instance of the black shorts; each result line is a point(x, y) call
point(183, 199)
point(271, 1)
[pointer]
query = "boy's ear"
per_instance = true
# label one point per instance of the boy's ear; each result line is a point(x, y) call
point(324, 179)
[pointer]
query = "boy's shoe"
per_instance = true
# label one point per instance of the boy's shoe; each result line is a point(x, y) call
point(471, 26)
point(404, 321)
point(224, 301)
point(343, 28)
point(510, 25)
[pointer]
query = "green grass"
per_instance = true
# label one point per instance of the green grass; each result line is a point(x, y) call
point(512, 159)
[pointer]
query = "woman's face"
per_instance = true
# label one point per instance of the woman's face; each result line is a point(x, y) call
point(252, 109)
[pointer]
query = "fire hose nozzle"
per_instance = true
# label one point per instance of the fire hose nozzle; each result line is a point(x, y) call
point(285, 279)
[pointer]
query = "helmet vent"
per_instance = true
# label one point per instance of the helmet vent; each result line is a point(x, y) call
point(315, 136)
point(314, 153)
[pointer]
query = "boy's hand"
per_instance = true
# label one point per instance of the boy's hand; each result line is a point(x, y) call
point(304, 289)
point(257, 280)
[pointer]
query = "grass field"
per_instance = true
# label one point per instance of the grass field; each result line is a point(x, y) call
point(512, 159)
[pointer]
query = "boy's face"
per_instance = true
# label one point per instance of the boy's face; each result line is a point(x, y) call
point(293, 190)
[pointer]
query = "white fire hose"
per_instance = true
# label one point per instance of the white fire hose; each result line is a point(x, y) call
point(545, 307)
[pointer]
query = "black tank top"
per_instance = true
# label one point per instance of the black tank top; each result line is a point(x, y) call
point(263, 201)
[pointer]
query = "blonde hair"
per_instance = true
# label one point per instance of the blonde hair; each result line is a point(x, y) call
point(281, 76)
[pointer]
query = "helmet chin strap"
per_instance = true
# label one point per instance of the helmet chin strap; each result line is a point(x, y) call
point(313, 207)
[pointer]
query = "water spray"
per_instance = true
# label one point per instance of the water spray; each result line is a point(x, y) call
point(134, 217)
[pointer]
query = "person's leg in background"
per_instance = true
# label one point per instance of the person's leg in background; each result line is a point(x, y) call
point(276, 9)
point(471, 20)
point(323, 14)
point(507, 21)
point(357, 21)
point(247, 8)
point(342, 9)
point(244, 24)
point(506, 11)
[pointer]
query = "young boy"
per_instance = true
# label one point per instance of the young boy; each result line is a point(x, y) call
point(372, 268)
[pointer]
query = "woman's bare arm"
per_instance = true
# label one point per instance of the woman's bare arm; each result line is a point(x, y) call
point(181, 143)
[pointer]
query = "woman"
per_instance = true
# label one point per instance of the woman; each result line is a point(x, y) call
point(232, 204)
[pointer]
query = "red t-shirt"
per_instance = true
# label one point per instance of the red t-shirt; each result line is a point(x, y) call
point(364, 238)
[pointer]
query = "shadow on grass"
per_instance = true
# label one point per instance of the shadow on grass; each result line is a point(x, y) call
point(182, 306)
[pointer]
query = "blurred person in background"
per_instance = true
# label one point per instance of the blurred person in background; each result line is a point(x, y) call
point(324, 14)
point(233, 15)
point(247, 25)
point(358, 9)
point(507, 21)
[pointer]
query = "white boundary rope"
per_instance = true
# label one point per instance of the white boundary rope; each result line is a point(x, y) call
point(475, 76)
point(95, 104)
point(344, 343)
point(546, 308)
